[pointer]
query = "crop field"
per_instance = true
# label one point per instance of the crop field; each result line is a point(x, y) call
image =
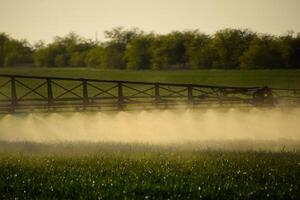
point(288, 79)
point(271, 78)
point(161, 154)
point(141, 171)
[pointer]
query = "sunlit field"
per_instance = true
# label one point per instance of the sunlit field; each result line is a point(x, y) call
point(232, 153)
point(135, 171)
point(209, 154)
point(246, 78)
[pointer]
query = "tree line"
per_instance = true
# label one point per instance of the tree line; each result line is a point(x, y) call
point(134, 49)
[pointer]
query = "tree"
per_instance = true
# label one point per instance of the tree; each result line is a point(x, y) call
point(93, 57)
point(77, 59)
point(121, 35)
point(229, 45)
point(264, 53)
point(133, 49)
point(14, 52)
point(294, 56)
point(60, 60)
point(11, 59)
point(171, 51)
point(199, 51)
point(3, 39)
point(51, 55)
point(139, 53)
point(63, 52)
point(113, 55)
point(290, 49)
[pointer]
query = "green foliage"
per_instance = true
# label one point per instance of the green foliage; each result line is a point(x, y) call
point(60, 60)
point(113, 56)
point(77, 59)
point(93, 57)
point(263, 53)
point(273, 78)
point(121, 35)
point(139, 53)
point(12, 59)
point(3, 39)
point(199, 50)
point(44, 57)
point(118, 171)
point(14, 52)
point(294, 59)
point(68, 51)
point(290, 49)
point(171, 51)
point(229, 45)
point(133, 49)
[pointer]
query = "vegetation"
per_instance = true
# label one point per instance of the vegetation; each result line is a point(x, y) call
point(135, 49)
point(271, 78)
point(145, 172)
point(14, 52)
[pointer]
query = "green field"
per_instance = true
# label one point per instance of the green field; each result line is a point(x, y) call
point(136, 171)
point(271, 78)
point(146, 171)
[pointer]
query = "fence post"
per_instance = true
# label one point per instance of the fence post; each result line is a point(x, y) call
point(190, 95)
point(157, 94)
point(14, 99)
point(85, 93)
point(49, 93)
point(120, 96)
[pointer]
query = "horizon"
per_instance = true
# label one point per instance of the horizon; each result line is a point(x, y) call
point(46, 19)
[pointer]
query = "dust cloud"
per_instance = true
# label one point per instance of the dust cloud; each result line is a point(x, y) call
point(154, 126)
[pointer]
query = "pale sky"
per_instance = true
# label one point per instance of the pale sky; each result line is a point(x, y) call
point(43, 19)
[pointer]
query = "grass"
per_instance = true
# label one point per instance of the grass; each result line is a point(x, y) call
point(136, 171)
point(272, 78)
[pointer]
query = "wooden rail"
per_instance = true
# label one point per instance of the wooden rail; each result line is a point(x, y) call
point(55, 94)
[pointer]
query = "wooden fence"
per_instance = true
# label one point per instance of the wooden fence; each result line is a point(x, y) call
point(56, 94)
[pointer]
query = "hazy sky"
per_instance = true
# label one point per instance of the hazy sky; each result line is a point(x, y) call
point(44, 19)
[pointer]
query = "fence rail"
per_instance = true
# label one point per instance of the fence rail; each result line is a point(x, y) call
point(54, 94)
